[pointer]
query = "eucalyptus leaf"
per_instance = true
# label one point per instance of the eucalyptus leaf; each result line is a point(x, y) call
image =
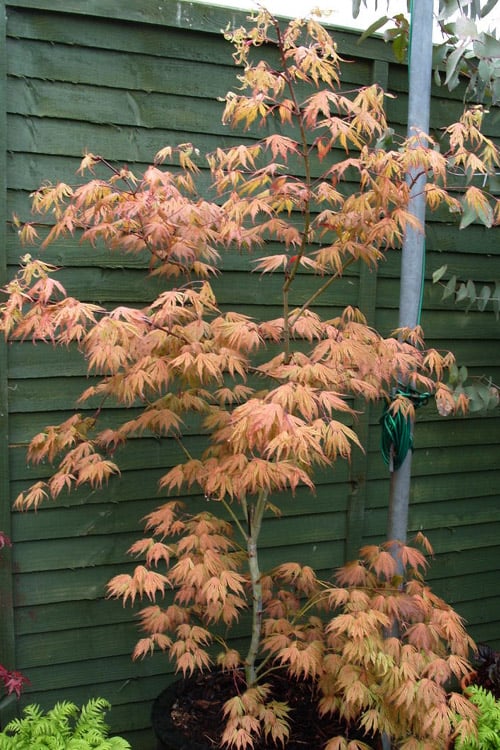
point(496, 308)
point(486, 45)
point(485, 215)
point(400, 46)
point(452, 64)
point(465, 27)
point(450, 287)
point(469, 215)
point(493, 182)
point(375, 26)
point(447, 8)
point(483, 392)
point(475, 402)
point(453, 377)
point(461, 293)
point(439, 273)
point(471, 290)
point(488, 7)
point(475, 8)
point(356, 5)
point(494, 399)
point(484, 297)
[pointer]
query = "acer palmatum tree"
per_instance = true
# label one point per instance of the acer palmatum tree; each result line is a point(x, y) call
point(273, 395)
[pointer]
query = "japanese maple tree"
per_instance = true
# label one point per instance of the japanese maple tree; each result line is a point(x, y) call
point(316, 195)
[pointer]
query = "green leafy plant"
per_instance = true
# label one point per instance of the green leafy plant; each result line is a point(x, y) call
point(474, 295)
point(65, 727)
point(466, 52)
point(482, 392)
point(273, 396)
point(487, 734)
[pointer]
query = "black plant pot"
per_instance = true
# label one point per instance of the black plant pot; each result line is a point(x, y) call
point(187, 715)
point(168, 735)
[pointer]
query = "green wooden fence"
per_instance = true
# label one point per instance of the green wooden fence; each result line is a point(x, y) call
point(122, 80)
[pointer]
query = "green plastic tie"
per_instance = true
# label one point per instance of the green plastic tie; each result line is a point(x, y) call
point(397, 436)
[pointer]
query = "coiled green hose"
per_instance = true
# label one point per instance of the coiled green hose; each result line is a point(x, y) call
point(397, 433)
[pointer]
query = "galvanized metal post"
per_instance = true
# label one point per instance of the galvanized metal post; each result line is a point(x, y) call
point(413, 254)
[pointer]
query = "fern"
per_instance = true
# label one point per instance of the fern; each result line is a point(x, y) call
point(488, 722)
point(64, 727)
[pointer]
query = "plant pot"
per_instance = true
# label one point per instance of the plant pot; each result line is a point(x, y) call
point(187, 715)
point(168, 735)
point(468, 679)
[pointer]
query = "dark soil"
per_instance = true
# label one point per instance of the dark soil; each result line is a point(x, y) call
point(194, 711)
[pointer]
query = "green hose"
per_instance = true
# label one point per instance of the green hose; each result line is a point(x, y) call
point(397, 433)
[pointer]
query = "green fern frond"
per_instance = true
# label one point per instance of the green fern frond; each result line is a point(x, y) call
point(64, 727)
point(488, 721)
point(92, 718)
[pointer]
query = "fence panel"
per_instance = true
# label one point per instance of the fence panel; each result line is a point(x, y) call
point(123, 83)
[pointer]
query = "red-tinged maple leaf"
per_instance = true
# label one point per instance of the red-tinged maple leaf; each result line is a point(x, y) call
point(158, 420)
point(430, 695)
point(336, 743)
point(155, 552)
point(462, 706)
point(357, 696)
point(215, 590)
point(438, 670)
point(33, 497)
point(413, 558)
point(354, 573)
point(404, 696)
point(235, 395)
point(240, 737)
point(305, 661)
point(144, 647)
point(164, 517)
point(358, 745)
point(147, 646)
point(236, 332)
point(437, 721)
point(143, 582)
point(274, 719)
point(96, 472)
point(280, 145)
point(229, 660)
point(60, 481)
point(4, 540)
point(156, 619)
point(271, 263)
point(320, 104)
point(384, 565)
point(13, 681)
point(276, 643)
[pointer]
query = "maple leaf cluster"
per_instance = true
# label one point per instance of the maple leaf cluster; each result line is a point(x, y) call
point(274, 397)
point(13, 681)
point(395, 651)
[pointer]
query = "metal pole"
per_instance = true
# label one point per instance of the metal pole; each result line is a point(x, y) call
point(413, 254)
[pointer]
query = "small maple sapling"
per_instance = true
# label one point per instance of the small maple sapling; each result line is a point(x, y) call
point(274, 396)
point(11, 680)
